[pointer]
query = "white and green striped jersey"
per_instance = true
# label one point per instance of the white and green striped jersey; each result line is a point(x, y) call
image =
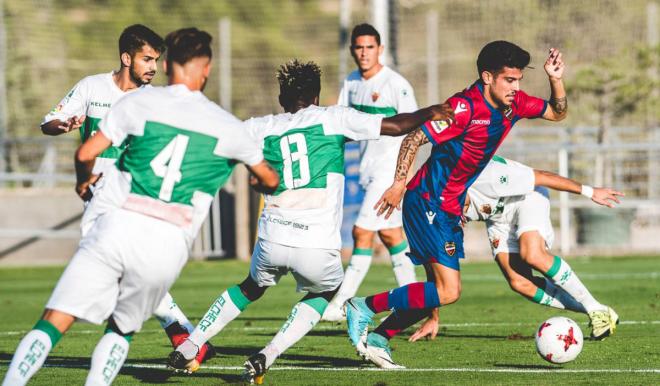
point(92, 96)
point(502, 181)
point(386, 93)
point(180, 149)
point(307, 150)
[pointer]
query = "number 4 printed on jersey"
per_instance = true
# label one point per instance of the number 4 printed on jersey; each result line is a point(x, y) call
point(167, 165)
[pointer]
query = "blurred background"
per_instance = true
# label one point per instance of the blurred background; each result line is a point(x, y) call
point(610, 138)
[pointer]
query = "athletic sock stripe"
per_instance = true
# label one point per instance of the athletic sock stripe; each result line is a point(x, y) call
point(416, 295)
point(363, 251)
point(53, 333)
point(538, 296)
point(237, 297)
point(380, 302)
point(556, 264)
point(398, 248)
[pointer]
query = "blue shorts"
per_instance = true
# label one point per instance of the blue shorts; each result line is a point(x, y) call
point(433, 234)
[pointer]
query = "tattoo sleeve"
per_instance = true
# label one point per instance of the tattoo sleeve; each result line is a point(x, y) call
point(407, 153)
point(559, 105)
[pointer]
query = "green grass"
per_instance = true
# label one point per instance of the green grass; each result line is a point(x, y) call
point(505, 342)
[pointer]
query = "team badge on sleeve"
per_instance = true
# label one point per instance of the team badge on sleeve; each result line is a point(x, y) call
point(374, 96)
point(450, 248)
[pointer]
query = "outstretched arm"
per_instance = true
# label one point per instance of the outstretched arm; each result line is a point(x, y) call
point(601, 196)
point(57, 127)
point(404, 123)
point(392, 197)
point(263, 178)
point(554, 67)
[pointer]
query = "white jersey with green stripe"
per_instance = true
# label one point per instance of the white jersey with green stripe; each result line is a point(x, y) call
point(92, 96)
point(180, 149)
point(307, 150)
point(386, 93)
point(502, 182)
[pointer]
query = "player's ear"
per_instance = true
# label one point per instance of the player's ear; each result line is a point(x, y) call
point(126, 59)
point(381, 49)
point(207, 68)
point(486, 77)
point(165, 67)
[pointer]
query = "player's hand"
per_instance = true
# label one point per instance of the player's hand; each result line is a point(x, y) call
point(428, 330)
point(72, 123)
point(606, 197)
point(554, 65)
point(442, 112)
point(84, 189)
point(391, 199)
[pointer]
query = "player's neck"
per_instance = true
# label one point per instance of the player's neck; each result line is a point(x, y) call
point(370, 73)
point(123, 80)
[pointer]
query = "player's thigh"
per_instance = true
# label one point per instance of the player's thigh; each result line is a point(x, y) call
point(534, 215)
point(89, 287)
point(316, 270)
point(447, 281)
point(517, 273)
point(367, 217)
point(433, 234)
point(268, 263)
point(153, 258)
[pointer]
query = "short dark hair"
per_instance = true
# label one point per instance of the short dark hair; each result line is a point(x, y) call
point(362, 30)
point(136, 36)
point(499, 54)
point(187, 43)
point(299, 81)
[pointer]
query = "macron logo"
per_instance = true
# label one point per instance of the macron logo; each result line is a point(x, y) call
point(430, 215)
point(480, 122)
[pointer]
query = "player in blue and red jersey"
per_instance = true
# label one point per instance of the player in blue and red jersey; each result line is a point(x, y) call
point(483, 115)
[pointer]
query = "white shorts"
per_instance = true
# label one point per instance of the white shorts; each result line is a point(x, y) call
point(315, 270)
point(367, 218)
point(124, 266)
point(531, 213)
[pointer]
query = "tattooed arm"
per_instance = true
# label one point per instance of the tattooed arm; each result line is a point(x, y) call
point(392, 197)
point(554, 67)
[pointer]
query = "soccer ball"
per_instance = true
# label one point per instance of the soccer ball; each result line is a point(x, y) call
point(559, 340)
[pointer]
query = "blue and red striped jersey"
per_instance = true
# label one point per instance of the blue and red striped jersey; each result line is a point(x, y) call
point(461, 150)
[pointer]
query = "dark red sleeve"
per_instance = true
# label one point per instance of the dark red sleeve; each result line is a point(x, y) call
point(528, 106)
point(439, 131)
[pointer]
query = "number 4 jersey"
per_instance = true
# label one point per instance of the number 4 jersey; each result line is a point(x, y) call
point(181, 148)
point(307, 150)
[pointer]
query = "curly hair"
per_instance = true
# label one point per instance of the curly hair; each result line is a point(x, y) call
point(299, 81)
point(499, 54)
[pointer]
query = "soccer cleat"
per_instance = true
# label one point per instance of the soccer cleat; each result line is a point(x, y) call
point(358, 319)
point(255, 369)
point(178, 335)
point(180, 364)
point(379, 352)
point(333, 313)
point(603, 323)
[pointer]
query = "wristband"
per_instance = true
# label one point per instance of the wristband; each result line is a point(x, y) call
point(587, 191)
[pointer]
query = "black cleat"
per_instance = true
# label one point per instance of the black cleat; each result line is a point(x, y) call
point(255, 369)
point(179, 363)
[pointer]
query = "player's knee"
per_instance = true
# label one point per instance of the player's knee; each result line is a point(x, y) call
point(519, 285)
point(391, 237)
point(449, 294)
point(534, 256)
point(362, 236)
point(251, 289)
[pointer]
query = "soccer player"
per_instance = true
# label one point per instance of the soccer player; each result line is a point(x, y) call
point(183, 147)
point(518, 223)
point(83, 108)
point(483, 115)
point(376, 89)
point(299, 226)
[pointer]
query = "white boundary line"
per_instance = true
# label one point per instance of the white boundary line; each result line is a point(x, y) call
point(410, 370)
point(339, 327)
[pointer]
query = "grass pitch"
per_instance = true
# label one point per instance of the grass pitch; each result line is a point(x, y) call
point(485, 338)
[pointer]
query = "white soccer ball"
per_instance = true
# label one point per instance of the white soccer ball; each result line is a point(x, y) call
point(559, 340)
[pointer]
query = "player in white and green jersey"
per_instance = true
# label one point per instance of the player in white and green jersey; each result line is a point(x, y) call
point(182, 148)
point(83, 108)
point(299, 226)
point(374, 88)
point(511, 198)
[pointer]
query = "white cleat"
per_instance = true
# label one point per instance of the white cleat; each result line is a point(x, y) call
point(379, 353)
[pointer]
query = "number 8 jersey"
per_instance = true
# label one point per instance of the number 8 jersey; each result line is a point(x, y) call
point(181, 148)
point(307, 150)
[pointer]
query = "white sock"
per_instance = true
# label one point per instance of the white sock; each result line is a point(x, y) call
point(225, 309)
point(355, 272)
point(107, 359)
point(544, 298)
point(564, 298)
point(404, 269)
point(304, 316)
point(169, 312)
point(28, 358)
point(563, 277)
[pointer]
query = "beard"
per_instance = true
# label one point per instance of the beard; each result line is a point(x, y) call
point(138, 78)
